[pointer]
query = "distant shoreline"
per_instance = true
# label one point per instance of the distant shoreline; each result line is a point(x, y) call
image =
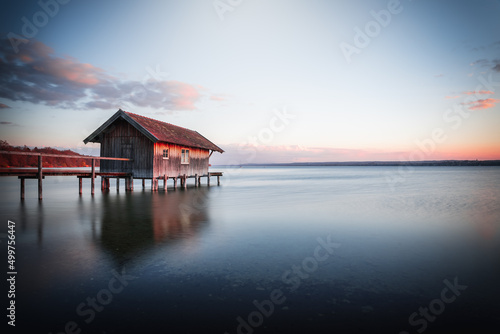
point(375, 163)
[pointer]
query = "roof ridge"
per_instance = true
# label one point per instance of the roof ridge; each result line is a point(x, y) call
point(157, 120)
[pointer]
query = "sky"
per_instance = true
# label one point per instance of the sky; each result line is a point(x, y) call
point(267, 81)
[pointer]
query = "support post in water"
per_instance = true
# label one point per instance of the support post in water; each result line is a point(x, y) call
point(40, 177)
point(92, 177)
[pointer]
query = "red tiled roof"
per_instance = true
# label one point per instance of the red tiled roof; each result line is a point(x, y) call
point(166, 132)
point(156, 131)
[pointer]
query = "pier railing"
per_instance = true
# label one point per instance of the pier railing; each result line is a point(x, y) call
point(39, 172)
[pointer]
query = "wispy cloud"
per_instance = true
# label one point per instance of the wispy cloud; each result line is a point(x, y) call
point(37, 75)
point(217, 98)
point(478, 92)
point(243, 154)
point(491, 46)
point(492, 64)
point(8, 123)
point(497, 65)
point(482, 104)
point(481, 62)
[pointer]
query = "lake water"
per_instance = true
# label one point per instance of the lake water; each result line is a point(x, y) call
point(271, 250)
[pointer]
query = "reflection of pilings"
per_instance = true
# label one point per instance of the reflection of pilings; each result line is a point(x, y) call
point(93, 218)
point(22, 215)
point(40, 224)
point(89, 214)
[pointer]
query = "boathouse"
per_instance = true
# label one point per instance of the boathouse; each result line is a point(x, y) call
point(159, 150)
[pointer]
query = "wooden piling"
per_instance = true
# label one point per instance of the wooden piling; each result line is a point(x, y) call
point(165, 179)
point(218, 180)
point(208, 179)
point(80, 185)
point(40, 177)
point(196, 180)
point(185, 181)
point(106, 183)
point(117, 184)
point(143, 183)
point(92, 178)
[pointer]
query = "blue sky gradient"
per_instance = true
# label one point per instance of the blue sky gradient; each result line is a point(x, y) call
point(231, 69)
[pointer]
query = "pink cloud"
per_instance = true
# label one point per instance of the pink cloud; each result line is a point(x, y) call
point(478, 92)
point(217, 98)
point(2, 106)
point(452, 97)
point(40, 58)
point(482, 104)
point(35, 74)
point(247, 154)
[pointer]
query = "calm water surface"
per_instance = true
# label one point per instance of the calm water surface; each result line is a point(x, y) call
point(272, 250)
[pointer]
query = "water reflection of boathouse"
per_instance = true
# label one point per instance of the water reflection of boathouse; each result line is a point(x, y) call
point(134, 223)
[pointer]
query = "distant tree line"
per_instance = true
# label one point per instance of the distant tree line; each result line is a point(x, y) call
point(14, 160)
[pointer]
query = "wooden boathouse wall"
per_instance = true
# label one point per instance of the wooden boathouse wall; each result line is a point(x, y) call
point(198, 161)
point(122, 140)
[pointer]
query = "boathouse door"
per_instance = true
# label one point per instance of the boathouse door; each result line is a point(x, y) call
point(126, 152)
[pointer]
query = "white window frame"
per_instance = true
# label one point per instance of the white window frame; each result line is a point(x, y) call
point(185, 156)
point(165, 151)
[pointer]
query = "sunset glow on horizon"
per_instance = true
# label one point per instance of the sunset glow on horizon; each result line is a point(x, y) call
point(281, 81)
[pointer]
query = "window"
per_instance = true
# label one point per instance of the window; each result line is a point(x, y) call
point(165, 154)
point(185, 156)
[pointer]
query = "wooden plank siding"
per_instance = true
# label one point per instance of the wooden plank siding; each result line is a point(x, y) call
point(122, 140)
point(172, 167)
point(143, 139)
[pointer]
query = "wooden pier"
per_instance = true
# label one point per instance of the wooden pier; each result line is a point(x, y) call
point(180, 179)
point(40, 173)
